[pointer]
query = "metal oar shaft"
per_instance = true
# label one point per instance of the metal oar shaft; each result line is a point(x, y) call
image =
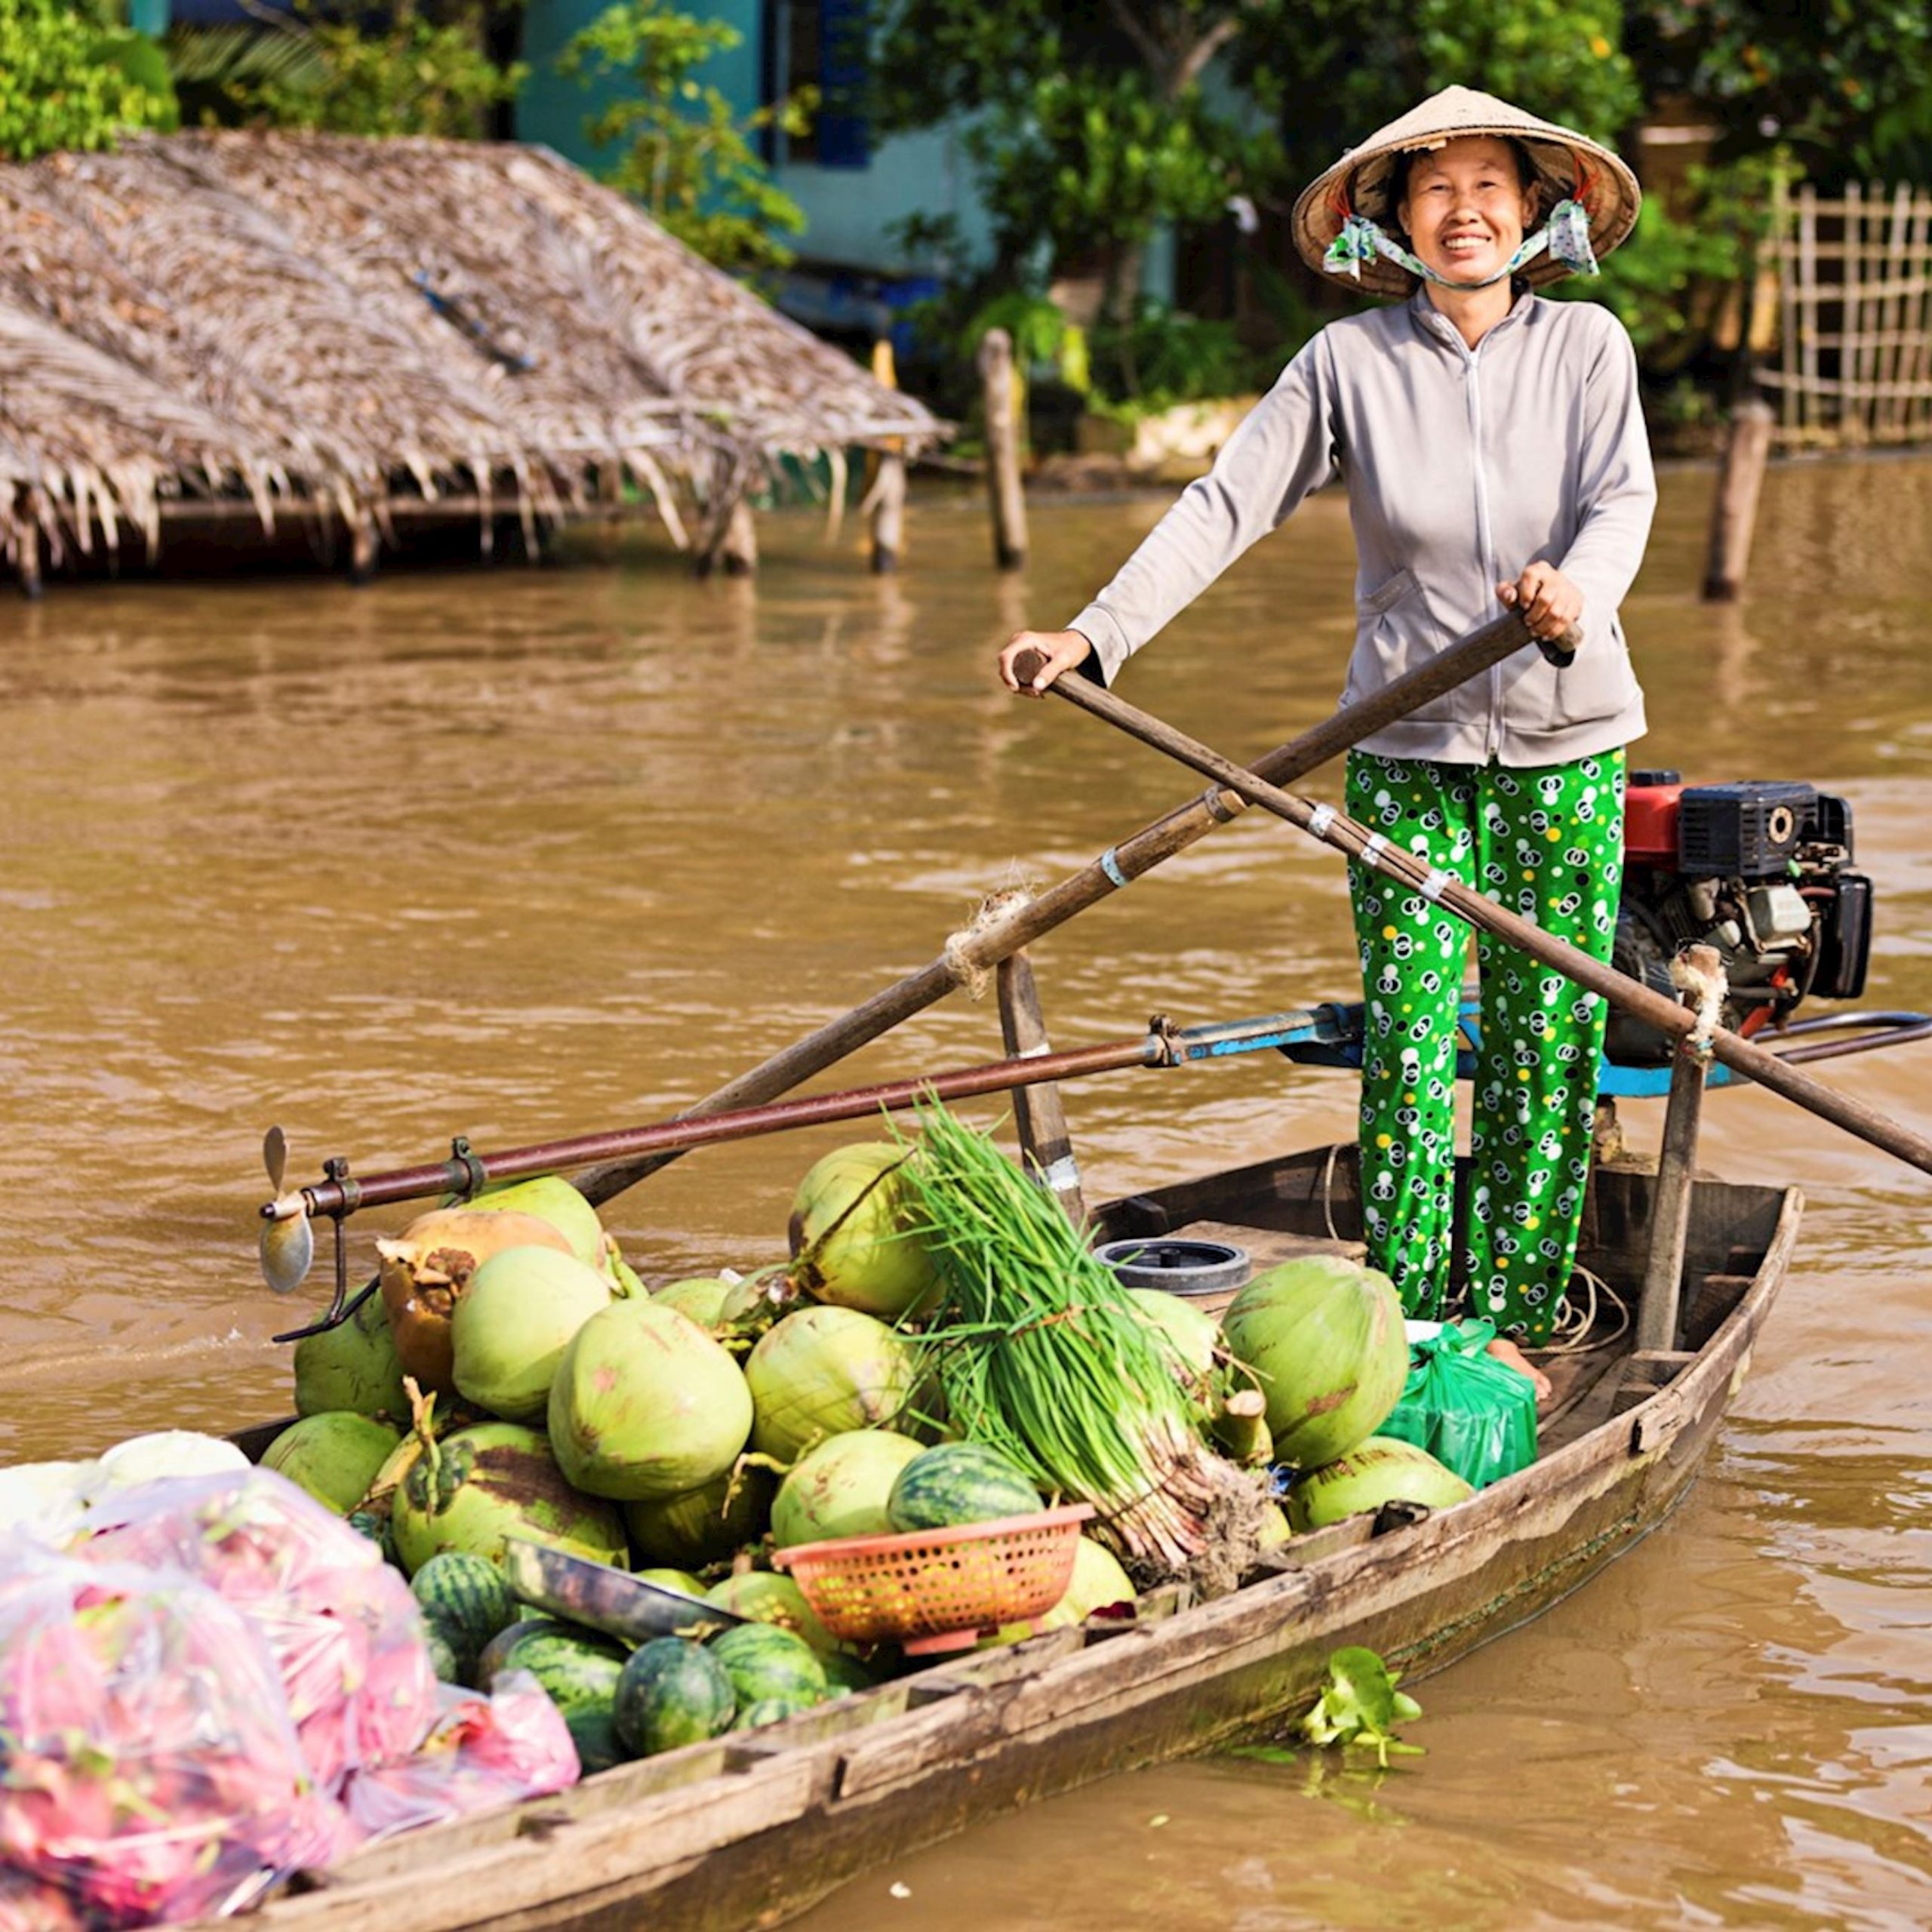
point(464, 1172)
point(1357, 842)
point(986, 945)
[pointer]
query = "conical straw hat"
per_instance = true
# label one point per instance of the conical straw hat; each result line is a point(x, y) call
point(1567, 164)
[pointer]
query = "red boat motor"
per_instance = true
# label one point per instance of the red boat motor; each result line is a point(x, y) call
point(1762, 871)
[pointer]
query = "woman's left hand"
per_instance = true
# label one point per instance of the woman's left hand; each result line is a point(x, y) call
point(1550, 603)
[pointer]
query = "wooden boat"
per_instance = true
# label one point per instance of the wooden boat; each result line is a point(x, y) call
point(747, 1831)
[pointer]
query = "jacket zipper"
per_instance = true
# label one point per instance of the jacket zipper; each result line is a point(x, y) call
point(1472, 390)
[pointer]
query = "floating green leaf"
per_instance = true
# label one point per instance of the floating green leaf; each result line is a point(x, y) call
point(1360, 1707)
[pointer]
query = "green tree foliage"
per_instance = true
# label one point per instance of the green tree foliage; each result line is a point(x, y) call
point(71, 78)
point(686, 154)
point(1847, 83)
point(1351, 66)
point(1090, 127)
point(422, 72)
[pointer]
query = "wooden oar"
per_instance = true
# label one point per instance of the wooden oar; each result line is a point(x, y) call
point(1358, 842)
point(985, 945)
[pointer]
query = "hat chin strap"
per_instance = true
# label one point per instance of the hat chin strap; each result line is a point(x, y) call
point(1566, 235)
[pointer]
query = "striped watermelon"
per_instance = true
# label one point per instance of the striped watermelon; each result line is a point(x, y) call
point(467, 1596)
point(490, 1658)
point(764, 1661)
point(958, 1482)
point(672, 1692)
point(445, 1659)
point(578, 1667)
point(843, 1674)
point(768, 1710)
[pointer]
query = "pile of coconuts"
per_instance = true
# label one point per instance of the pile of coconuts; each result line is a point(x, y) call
point(514, 1376)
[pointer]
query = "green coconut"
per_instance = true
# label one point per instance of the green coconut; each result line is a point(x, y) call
point(855, 1233)
point(765, 1597)
point(1383, 1469)
point(1098, 1582)
point(703, 1525)
point(352, 1366)
point(1193, 1334)
point(841, 1486)
point(1275, 1528)
point(681, 1580)
point(701, 1297)
point(509, 1330)
point(645, 1404)
point(335, 1457)
point(427, 1269)
point(1325, 1336)
point(550, 1198)
point(822, 1371)
point(490, 1481)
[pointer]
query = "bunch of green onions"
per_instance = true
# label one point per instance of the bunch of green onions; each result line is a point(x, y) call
point(1041, 1354)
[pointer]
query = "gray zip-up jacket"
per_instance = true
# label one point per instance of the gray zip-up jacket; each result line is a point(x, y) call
point(1462, 466)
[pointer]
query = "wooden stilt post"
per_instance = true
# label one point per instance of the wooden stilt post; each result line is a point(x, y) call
point(889, 514)
point(1037, 1111)
point(886, 488)
point(1009, 501)
point(1670, 1209)
point(361, 547)
point(739, 551)
point(1734, 511)
point(30, 585)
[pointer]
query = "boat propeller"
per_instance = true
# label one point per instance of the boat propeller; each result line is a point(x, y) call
point(288, 1238)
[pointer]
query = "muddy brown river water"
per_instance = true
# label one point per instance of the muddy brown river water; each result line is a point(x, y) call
point(527, 852)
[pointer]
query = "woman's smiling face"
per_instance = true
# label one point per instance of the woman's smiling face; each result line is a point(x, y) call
point(1465, 209)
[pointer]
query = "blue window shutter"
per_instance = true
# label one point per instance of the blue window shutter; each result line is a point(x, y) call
point(844, 138)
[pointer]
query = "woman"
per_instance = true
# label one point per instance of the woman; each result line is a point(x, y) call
point(1494, 452)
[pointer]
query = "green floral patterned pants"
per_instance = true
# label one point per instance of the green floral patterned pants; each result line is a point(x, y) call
point(1548, 844)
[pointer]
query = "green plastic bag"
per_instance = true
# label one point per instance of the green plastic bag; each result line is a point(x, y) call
point(1474, 1414)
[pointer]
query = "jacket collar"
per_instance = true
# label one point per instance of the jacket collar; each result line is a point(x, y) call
point(1431, 321)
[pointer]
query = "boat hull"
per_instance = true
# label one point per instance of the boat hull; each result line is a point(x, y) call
point(744, 1833)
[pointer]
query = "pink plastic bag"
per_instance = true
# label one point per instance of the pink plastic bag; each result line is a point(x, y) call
point(151, 1772)
point(345, 1634)
point(484, 1752)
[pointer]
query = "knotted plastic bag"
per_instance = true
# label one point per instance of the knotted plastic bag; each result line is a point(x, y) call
point(1473, 1413)
point(148, 1771)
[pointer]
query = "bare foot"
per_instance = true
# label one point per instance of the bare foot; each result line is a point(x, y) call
point(1505, 1351)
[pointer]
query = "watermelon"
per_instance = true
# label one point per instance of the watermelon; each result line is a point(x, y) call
point(958, 1482)
point(672, 1692)
point(764, 1660)
point(446, 1656)
point(490, 1659)
point(593, 1729)
point(845, 1675)
point(768, 1710)
point(578, 1667)
point(466, 1596)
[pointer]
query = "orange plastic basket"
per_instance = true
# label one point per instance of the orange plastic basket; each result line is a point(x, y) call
point(937, 1589)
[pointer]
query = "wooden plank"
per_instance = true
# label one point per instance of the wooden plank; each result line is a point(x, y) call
point(1852, 361)
point(1038, 1112)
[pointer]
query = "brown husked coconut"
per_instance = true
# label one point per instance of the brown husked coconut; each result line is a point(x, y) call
point(426, 1268)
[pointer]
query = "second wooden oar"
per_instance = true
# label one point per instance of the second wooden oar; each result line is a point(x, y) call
point(981, 949)
point(1357, 842)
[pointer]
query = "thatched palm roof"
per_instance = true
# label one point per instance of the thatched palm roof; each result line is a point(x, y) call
point(341, 324)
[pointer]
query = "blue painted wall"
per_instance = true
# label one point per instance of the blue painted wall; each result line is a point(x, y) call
point(847, 208)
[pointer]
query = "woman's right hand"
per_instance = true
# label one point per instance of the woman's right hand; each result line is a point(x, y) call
point(1058, 651)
